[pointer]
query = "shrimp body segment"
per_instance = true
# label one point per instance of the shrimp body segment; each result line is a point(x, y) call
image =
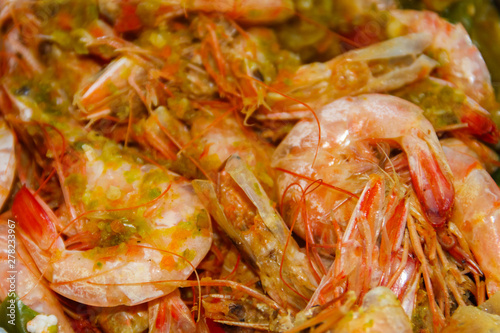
point(350, 129)
point(142, 226)
point(461, 62)
point(7, 161)
point(476, 213)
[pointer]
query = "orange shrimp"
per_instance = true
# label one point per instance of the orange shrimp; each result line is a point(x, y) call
point(242, 209)
point(350, 128)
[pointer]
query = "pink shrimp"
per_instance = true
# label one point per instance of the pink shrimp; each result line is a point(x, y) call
point(350, 128)
point(476, 212)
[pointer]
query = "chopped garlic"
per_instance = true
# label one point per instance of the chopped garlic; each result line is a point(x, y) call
point(41, 323)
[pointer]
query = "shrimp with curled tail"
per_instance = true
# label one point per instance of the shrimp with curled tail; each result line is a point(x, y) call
point(476, 213)
point(353, 130)
point(30, 288)
point(130, 228)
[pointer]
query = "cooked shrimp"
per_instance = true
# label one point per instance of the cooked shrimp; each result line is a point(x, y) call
point(7, 161)
point(377, 68)
point(249, 11)
point(138, 226)
point(460, 61)
point(476, 212)
point(31, 288)
point(242, 209)
point(110, 84)
point(214, 133)
point(345, 156)
point(124, 13)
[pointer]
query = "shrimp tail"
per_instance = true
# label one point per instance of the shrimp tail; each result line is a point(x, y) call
point(431, 180)
point(34, 219)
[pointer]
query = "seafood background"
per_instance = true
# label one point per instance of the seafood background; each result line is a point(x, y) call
point(241, 166)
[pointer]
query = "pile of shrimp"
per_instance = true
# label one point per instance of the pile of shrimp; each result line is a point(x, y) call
point(223, 166)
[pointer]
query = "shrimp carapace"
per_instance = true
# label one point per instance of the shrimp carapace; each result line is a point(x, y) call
point(380, 67)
